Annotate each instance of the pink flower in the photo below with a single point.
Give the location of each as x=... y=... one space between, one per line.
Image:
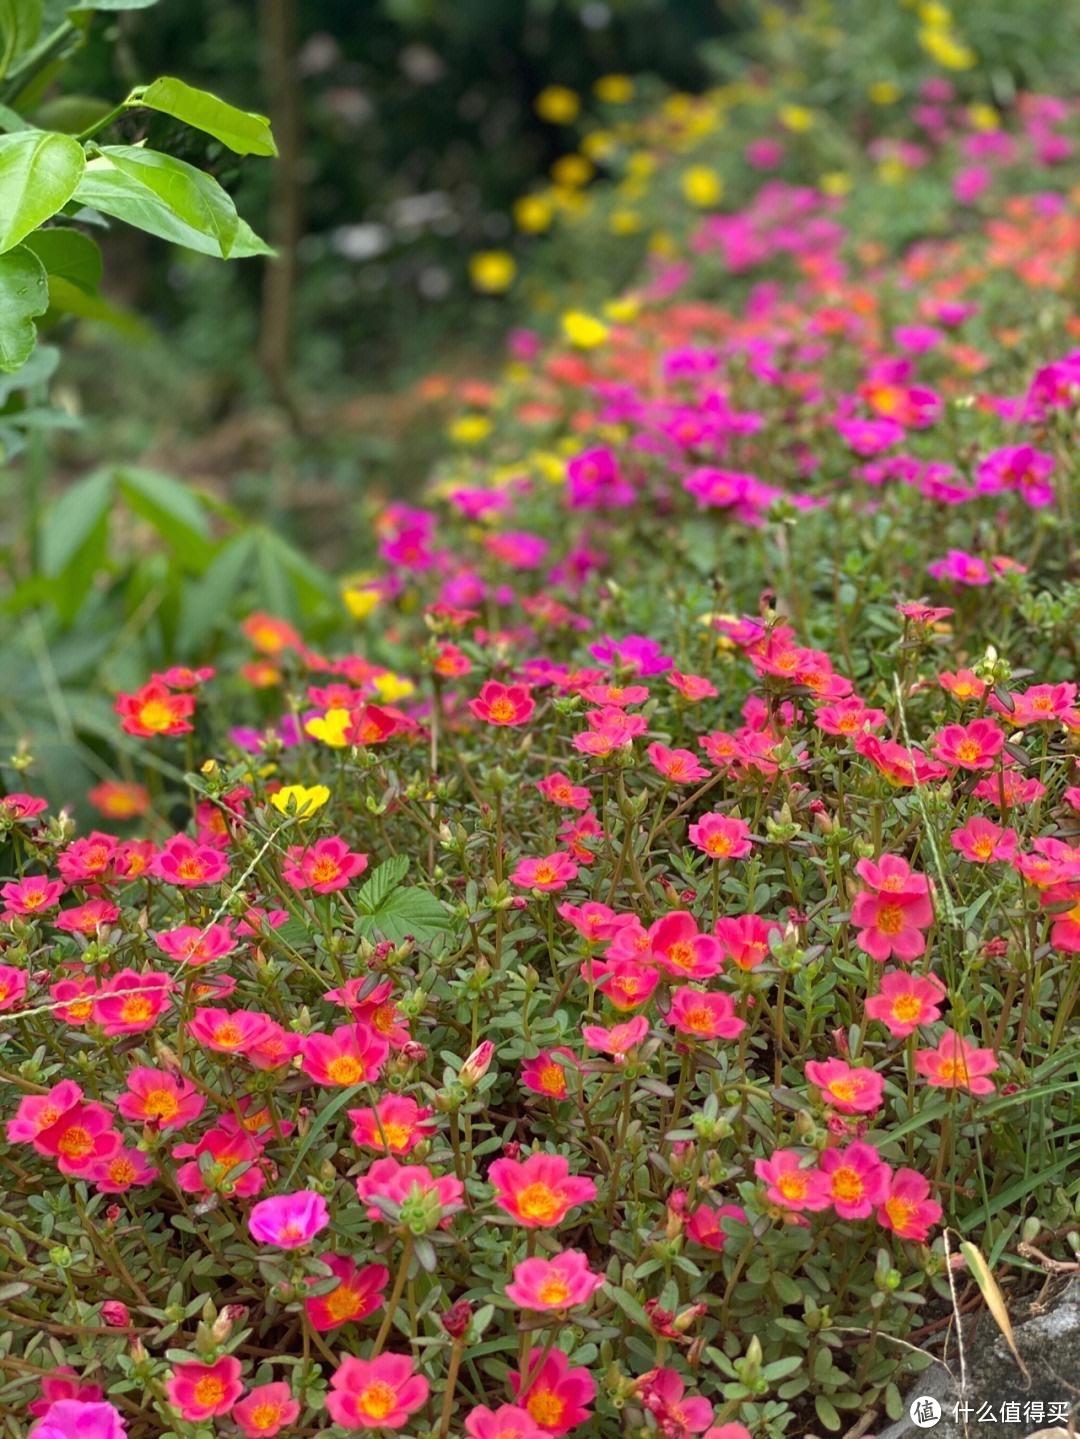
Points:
x=289 y=1221
x=359 y=1292
x=678 y=766
x=907 y=1208
x=721 y=837
x=120 y=1171
x=265 y=1410
x=550 y=872
x=499 y=704
x=236 y=1031
x=323 y=867
x=539 y=1191
x=159 y=1098
x=693 y=688
x=87 y=918
x=704 y=1016
x=856 y=1179
x=980 y=841
x=38 y=1112
x=555 y=1395
x=389 y=1183
x=905 y=1001
x=507 y=1422
x=892 y=915
x=395 y=1125
x=377 y=1393
x=848 y=716
x=234 y=1166
x=680 y=949
x=846 y=1088
x=790 y=1184
x=956 y=1064
x=624 y=982
x=79 y=1419
x=352 y=1054
x=34 y=894
x=564 y=1282
x=187 y=864
x=704 y=1223
x=663 y=1394
x=80 y=1137
x=561 y=791
x=201 y=1391
x=63 y=1383
x=620 y=1039
x=192 y=945
x=546 y=1074
x=973 y=746
x=131 y=1002
x=744 y=939
x=12 y=986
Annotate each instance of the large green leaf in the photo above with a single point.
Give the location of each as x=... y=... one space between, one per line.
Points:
x=74 y=518
x=404 y=914
x=38 y=370
x=20 y=25
x=194 y=198
x=241 y=130
x=39 y=171
x=206 y=604
x=114 y=192
x=173 y=510
x=66 y=298
x=70 y=254
x=24 y=294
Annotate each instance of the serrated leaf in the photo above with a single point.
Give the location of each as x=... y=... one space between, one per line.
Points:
x=384 y=878
x=24 y=294
x=404 y=914
x=39 y=173
x=243 y=131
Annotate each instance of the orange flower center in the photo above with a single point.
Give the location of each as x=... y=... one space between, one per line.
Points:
x=900 y=1211
x=718 y=845
x=264 y=1416
x=377 y=1400
x=847 y=1186
x=343 y=1303
x=345 y=1069
x=890 y=918
x=844 y=1089
x=539 y=1201
x=209 y=1391
x=546 y=1407
x=160 y=1104
x=325 y=869
x=681 y=954
x=792 y=1185
x=968 y=750
x=155 y=715
x=397 y=1135
x=502 y=709
x=552 y=1080
x=135 y=1009
x=553 y=1291
x=544 y=873
x=76 y=1142
x=122 y=1171
x=906 y=1007
x=228 y=1035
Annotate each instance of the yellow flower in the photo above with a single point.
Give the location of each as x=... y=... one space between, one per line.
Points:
x=836 y=182
x=585 y=332
x=944 y=47
x=391 y=687
x=624 y=221
x=598 y=144
x=330 y=727
x=661 y=243
x=470 y=429
x=558 y=104
x=641 y=164
x=360 y=596
x=796 y=117
x=937 y=16
x=551 y=467
x=299 y=800
x=492 y=271
x=702 y=186
x=573 y=171
x=892 y=172
x=614 y=89
x=884 y=92
x=532 y=213
x=984 y=117
x=622 y=312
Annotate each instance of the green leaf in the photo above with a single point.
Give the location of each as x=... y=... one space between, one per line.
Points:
x=68 y=299
x=196 y=199
x=72 y=519
x=379 y=884
x=407 y=913
x=38 y=370
x=826 y=1412
x=114 y=4
x=24 y=293
x=20 y=25
x=206 y=602
x=319 y=1123
x=242 y=131
x=173 y=510
x=630 y=1307
x=113 y=191
x=39 y=171
x=70 y=255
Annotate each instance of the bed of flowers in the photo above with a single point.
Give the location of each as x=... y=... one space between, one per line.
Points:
x=628 y=983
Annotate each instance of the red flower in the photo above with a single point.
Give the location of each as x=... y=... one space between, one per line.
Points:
x=500 y=704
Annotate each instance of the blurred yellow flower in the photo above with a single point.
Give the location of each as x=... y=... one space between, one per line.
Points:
x=584 y=332
x=558 y=104
x=299 y=800
x=836 y=182
x=892 y=172
x=598 y=144
x=947 y=49
x=390 y=687
x=360 y=596
x=935 y=15
x=572 y=171
x=641 y=164
x=614 y=89
x=330 y=728
x=702 y=186
x=984 y=117
x=796 y=117
x=884 y=92
x=624 y=222
x=492 y=271
x=661 y=243
x=470 y=429
x=533 y=213
x=622 y=311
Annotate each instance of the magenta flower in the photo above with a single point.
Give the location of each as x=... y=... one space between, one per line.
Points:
x=289 y=1221
x=565 y=1282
